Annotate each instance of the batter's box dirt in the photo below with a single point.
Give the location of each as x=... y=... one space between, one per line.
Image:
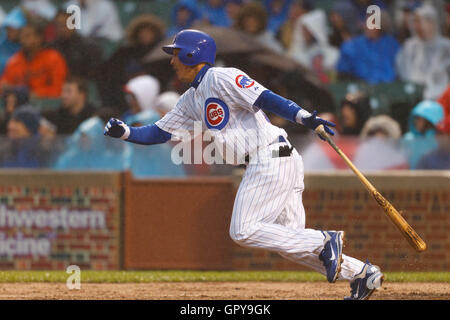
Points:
x=220 y=290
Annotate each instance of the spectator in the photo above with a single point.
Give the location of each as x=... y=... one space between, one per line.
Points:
x=319 y=156
x=444 y=100
x=381 y=126
x=99 y=19
x=23 y=123
x=82 y=54
x=447 y=21
x=166 y=101
x=278 y=11
x=425 y=57
x=421 y=137
x=232 y=8
x=13 y=98
x=155 y=161
x=296 y=10
x=343 y=18
x=252 y=20
x=404 y=19
x=438 y=159
x=330 y=116
x=214 y=13
x=74 y=109
x=2 y=15
x=355 y=111
x=362 y=5
x=141 y=94
x=142 y=35
x=41 y=8
x=310 y=45
x=10 y=36
x=184 y=14
x=24 y=148
x=159 y=167
x=42 y=70
x=379 y=148
x=370 y=57
x=441 y=6
x=87 y=149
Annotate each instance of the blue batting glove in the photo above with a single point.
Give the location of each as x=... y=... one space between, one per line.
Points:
x=117 y=129
x=313 y=121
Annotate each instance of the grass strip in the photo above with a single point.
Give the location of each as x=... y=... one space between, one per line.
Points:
x=201 y=276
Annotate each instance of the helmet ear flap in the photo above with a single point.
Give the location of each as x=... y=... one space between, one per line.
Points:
x=187 y=57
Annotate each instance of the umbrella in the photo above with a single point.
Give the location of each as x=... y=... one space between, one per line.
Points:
x=228 y=41
x=237 y=49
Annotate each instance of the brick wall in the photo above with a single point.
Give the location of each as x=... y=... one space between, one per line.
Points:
x=340 y=202
x=52 y=220
x=177 y=223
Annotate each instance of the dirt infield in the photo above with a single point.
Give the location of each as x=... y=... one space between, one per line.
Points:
x=220 y=290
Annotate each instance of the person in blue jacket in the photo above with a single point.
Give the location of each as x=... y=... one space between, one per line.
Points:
x=369 y=57
x=438 y=159
x=215 y=13
x=278 y=11
x=184 y=14
x=9 y=35
x=362 y=5
x=421 y=137
x=24 y=148
x=88 y=150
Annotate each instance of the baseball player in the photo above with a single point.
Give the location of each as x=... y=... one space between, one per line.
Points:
x=268 y=212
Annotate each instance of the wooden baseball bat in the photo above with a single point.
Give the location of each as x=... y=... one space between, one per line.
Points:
x=408 y=232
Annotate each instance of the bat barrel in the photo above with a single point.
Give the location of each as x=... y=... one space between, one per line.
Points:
x=408 y=232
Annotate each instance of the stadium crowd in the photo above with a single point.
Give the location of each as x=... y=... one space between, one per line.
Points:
x=59 y=85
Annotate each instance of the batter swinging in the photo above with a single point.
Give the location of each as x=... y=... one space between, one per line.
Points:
x=268 y=211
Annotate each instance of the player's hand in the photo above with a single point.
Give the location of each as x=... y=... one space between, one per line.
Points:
x=313 y=121
x=117 y=129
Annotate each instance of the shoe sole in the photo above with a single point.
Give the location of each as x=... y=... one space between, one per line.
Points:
x=340 y=260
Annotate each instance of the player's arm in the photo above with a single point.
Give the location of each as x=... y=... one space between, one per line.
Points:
x=147 y=135
x=289 y=110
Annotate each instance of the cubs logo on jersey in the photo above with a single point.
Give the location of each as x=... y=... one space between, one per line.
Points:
x=244 y=82
x=216 y=113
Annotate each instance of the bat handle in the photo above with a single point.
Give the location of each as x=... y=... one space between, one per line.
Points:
x=321 y=131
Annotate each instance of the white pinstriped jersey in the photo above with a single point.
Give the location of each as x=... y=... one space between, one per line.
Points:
x=223 y=104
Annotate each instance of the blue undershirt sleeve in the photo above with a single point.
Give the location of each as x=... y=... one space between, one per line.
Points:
x=269 y=101
x=150 y=134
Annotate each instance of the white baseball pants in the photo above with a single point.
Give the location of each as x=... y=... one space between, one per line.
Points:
x=268 y=212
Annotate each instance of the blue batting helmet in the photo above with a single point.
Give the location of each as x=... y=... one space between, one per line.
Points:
x=195 y=47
